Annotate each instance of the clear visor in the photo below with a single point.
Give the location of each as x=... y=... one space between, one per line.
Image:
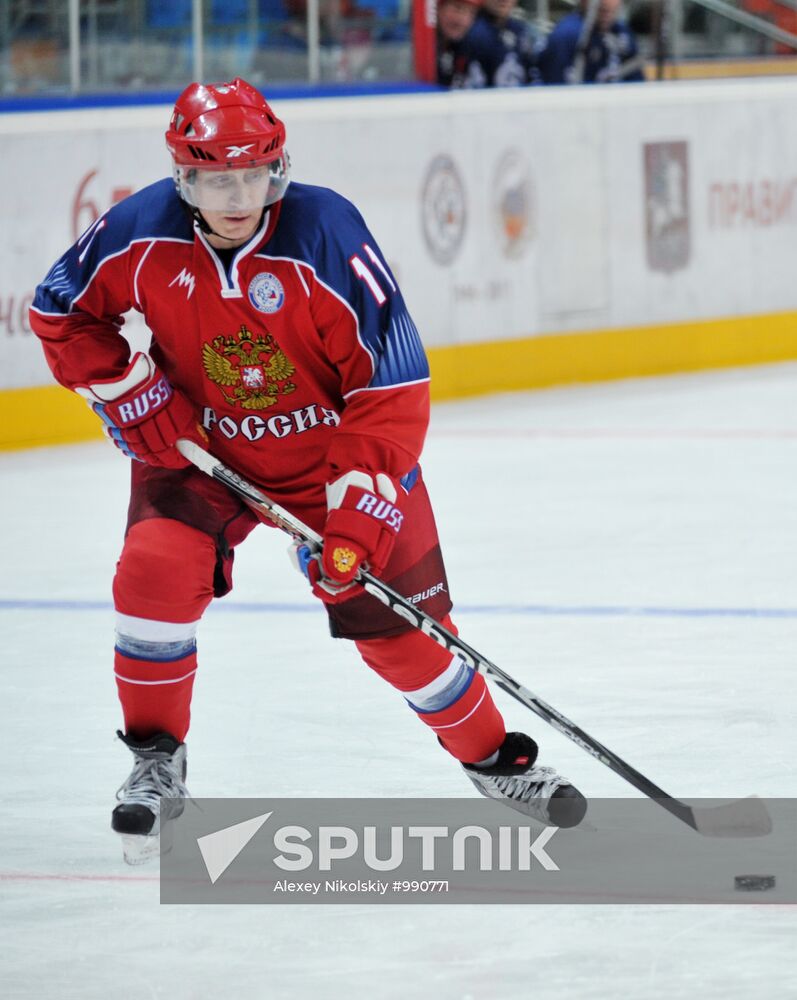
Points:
x=233 y=189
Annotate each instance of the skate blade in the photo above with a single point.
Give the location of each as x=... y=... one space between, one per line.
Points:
x=139 y=849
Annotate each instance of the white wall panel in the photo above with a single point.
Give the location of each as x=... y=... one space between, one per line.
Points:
x=504 y=215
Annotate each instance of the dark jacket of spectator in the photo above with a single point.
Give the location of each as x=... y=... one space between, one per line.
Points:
x=609 y=55
x=455 y=66
x=503 y=48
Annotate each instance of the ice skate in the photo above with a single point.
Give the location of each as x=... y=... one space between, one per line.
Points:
x=141 y=818
x=518 y=782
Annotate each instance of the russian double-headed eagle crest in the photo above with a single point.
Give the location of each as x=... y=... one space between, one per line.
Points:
x=251 y=370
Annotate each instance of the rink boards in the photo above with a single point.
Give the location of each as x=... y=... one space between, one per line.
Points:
x=539 y=236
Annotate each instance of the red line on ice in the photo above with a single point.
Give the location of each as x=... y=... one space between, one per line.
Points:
x=55 y=877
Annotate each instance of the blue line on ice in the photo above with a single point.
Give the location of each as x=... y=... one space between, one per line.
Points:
x=541 y=610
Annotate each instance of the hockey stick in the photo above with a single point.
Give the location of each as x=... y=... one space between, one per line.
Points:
x=623 y=70
x=743 y=818
x=579 y=64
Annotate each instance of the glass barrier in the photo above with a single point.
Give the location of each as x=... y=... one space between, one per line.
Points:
x=715 y=29
x=74 y=47
x=34 y=47
x=120 y=45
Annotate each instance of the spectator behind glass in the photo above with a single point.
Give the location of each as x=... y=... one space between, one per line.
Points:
x=503 y=49
x=454 y=20
x=341 y=22
x=592 y=45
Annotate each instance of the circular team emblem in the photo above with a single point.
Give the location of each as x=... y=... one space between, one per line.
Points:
x=443 y=213
x=266 y=292
x=514 y=203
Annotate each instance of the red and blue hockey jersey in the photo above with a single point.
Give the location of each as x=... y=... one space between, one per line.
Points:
x=299 y=352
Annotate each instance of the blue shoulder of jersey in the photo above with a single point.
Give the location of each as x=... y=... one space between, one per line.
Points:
x=482 y=38
x=568 y=29
x=623 y=30
x=560 y=49
x=155 y=212
x=322 y=229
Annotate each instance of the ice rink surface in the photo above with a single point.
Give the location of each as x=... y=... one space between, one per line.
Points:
x=625 y=550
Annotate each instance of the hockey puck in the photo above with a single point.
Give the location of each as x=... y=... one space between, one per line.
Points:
x=754 y=883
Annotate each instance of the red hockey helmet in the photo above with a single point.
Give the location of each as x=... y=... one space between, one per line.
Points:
x=224 y=127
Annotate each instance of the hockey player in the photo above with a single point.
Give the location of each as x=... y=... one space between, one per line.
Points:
x=504 y=48
x=456 y=68
x=592 y=45
x=281 y=342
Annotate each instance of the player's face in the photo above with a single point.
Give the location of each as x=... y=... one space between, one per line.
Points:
x=455 y=19
x=235 y=227
x=607 y=13
x=231 y=202
x=231 y=192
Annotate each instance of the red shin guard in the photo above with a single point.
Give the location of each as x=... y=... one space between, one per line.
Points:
x=471 y=728
x=155 y=697
x=165 y=574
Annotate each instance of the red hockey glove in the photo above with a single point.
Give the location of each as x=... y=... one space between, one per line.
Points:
x=308 y=563
x=144 y=415
x=360 y=530
x=361 y=526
